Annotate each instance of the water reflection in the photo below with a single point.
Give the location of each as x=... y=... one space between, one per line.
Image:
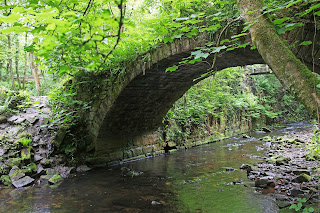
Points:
x=193 y=180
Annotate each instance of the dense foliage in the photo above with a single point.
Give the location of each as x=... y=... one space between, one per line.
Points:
x=227 y=97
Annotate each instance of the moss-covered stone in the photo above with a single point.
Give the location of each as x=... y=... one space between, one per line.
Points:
x=245 y=136
x=24 y=141
x=5 y=179
x=32 y=167
x=55 y=179
x=25 y=135
x=302 y=178
x=14 y=162
x=26 y=153
x=267 y=138
x=16 y=173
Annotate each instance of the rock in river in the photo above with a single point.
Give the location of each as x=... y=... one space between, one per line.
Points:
x=25 y=181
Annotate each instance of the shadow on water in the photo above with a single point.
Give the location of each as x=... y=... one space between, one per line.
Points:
x=193 y=180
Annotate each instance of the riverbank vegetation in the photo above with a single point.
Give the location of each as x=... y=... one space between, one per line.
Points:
x=234 y=95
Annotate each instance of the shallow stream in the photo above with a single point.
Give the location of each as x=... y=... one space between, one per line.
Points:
x=192 y=180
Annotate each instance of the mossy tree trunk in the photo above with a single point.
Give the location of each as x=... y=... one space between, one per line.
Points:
x=292 y=73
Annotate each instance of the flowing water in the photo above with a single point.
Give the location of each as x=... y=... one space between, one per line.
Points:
x=193 y=180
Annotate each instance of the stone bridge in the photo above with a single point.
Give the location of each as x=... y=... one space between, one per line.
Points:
x=135 y=104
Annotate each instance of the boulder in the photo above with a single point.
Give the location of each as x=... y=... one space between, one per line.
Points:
x=245 y=136
x=3 y=119
x=302 y=178
x=16 y=174
x=25 y=181
x=83 y=168
x=37 y=157
x=55 y=179
x=2 y=151
x=295 y=192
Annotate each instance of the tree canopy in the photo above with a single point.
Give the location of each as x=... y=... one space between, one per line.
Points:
x=83 y=36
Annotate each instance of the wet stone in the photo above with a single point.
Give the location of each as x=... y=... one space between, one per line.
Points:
x=32 y=119
x=3 y=119
x=301 y=171
x=296 y=192
x=12 y=119
x=302 y=178
x=2 y=151
x=25 y=181
x=283 y=204
x=20 y=120
x=83 y=168
x=37 y=158
x=16 y=173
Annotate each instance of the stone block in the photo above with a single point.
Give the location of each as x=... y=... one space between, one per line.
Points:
x=137 y=151
x=147 y=149
x=127 y=154
x=116 y=156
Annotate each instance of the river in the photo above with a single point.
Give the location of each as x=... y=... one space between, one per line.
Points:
x=192 y=180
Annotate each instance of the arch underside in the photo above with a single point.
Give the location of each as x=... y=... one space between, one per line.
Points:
x=143 y=103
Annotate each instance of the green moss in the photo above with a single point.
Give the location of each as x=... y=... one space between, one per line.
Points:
x=5 y=179
x=267 y=138
x=14 y=162
x=26 y=153
x=306 y=177
x=32 y=167
x=55 y=179
x=24 y=141
x=25 y=135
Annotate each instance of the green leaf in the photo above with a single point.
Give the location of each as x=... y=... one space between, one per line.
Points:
x=218 y=49
x=213 y=27
x=318 y=86
x=293 y=206
x=293 y=3
x=239 y=35
x=299 y=205
x=195 y=60
x=311 y=209
x=51 y=27
x=199 y=54
x=171 y=69
x=224 y=41
x=253 y=47
x=280 y=21
x=168 y=39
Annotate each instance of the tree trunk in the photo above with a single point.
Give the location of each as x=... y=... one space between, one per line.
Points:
x=25 y=62
x=8 y=71
x=17 y=61
x=1 y=71
x=291 y=72
x=34 y=70
x=10 y=62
